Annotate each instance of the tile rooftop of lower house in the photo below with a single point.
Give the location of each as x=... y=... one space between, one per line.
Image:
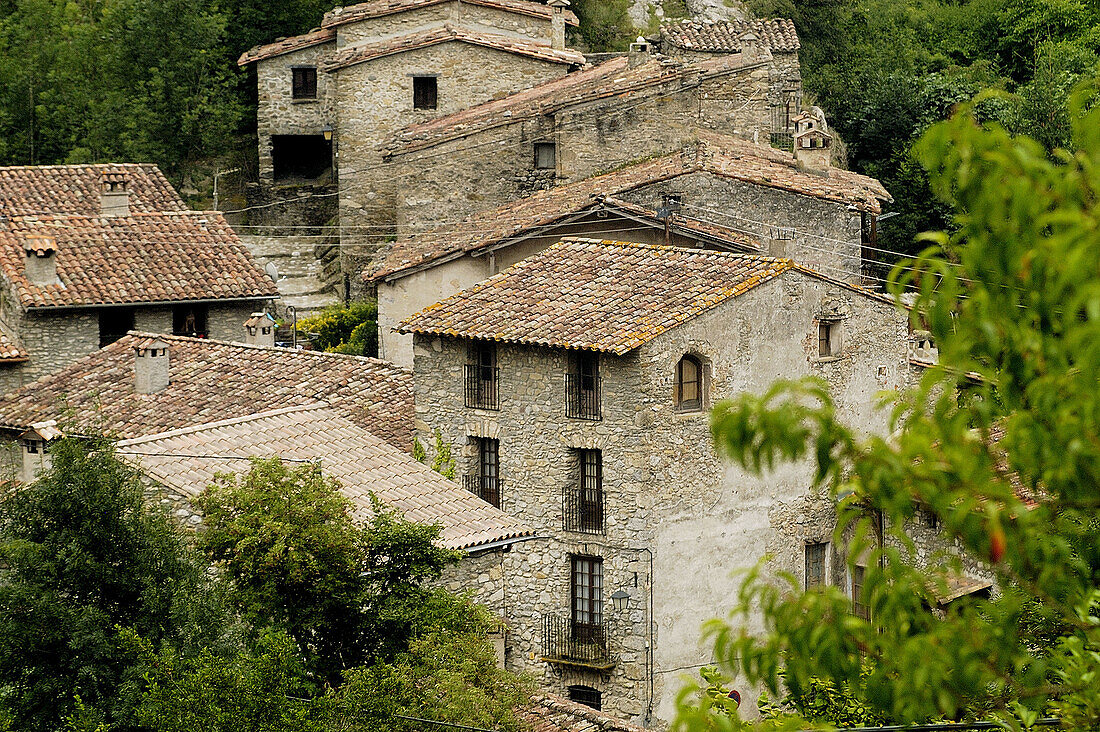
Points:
x=376 y=8
x=553 y=714
x=42 y=190
x=211 y=381
x=598 y=295
x=10 y=350
x=717 y=154
x=363 y=464
x=144 y=257
x=315 y=37
x=362 y=52
x=724 y=36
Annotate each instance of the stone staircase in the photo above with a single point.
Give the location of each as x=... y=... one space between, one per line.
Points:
x=303 y=281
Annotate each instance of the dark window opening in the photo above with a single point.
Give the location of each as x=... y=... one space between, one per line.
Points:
x=582 y=386
x=113 y=324
x=303 y=82
x=546 y=156
x=584 y=500
x=828 y=341
x=860 y=608
x=689 y=385
x=585 y=695
x=300 y=156
x=425 y=92
x=587 y=598
x=189 y=320
x=815 y=565
x=485 y=483
x=482 y=376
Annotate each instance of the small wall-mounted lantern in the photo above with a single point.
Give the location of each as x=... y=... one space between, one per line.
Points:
x=327 y=132
x=619 y=599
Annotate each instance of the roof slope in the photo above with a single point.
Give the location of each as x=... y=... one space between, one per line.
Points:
x=611 y=78
x=362 y=52
x=211 y=381
x=599 y=295
x=315 y=37
x=554 y=714
x=720 y=155
x=144 y=257
x=377 y=8
x=361 y=462
x=37 y=190
x=723 y=36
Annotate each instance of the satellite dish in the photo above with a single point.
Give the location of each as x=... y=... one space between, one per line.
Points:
x=272 y=271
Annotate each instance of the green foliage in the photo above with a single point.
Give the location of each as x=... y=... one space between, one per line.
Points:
x=1012 y=298
x=350 y=329
x=443 y=462
x=346 y=594
x=84 y=563
x=604 y=25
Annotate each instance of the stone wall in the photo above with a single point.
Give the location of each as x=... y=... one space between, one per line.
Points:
x=665 y=491
x=55 y=340
x=225 y=322
x=451 y=180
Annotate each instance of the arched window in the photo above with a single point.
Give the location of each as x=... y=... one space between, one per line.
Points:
x=689 y=385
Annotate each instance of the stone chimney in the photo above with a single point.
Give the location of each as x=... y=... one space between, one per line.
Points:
x=41 y=259
x=34 y=444
x=813 y=150
x=259 y=330
x=150 y=366
x=640 y=52
x=114 y=197
x=557 y=23
x=751 y=50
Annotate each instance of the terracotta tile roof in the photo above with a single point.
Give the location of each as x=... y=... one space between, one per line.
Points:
x=723 y=36
x=211 y=381
x=954 y=586
x=361 y=462
x=376 y=8
x=315 y=37
x=145 y=257
x=554 y=714
x=10 y=349
x=608 y=79
x=544 y=208
x=599 y=295
x=444 y=34
x=36 y=190
x=716 y=154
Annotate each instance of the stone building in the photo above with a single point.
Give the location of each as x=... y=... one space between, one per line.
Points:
x=716 y=193
x=594 y=120
x=336 y=93
x=88 y=252
x=576 y=385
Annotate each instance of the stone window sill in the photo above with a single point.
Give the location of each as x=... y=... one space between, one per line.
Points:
x=694 y=414
x=828 y=359
x=314 y=100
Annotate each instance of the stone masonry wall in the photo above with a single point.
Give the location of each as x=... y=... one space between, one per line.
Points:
x=55 y=340
x=225 y=322
x=665 y=490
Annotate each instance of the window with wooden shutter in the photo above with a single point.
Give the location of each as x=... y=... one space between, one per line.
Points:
x=303 y=82
x=815 y=565
x=425 y=92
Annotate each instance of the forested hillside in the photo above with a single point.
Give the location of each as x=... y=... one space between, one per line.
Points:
x=95 y=80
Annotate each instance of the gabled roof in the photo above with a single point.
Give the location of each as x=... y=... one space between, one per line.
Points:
x=377 y=8
x=597 y=295
x=554 y=714
x=362 y=463
x=724 y=36
x=210 y=381
x=611 y=78
x=42 y=190
x=141 y=258
x=362 y=52
x=315 y=37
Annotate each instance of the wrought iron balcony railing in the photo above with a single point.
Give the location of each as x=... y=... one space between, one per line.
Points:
x=582 y=397
x=582 y=509
x=481 y=387
x=569 y=642
x=484 y=487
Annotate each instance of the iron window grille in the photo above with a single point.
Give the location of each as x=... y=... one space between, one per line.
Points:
x=815 y=565
x=582 y=504
x=482 y=377
x=586 y=695
x=582 y=388
x=564 y=640
x=485 y=484
x=303 y=82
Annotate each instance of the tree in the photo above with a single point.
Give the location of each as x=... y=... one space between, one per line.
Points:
x=346 y=594
x=85 y=562
x=1010 y=414
x=350 y=329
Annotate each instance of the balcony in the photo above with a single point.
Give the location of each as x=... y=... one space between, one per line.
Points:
x=484 y=487
x=582 y=397
x=481 y=387
x=576 y=644
x=582 y=509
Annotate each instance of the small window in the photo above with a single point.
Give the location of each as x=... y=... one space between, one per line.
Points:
x=113 y=324
x=585 y=695
x=32 y=447
x=425 y=92
x=546 y=156
x=485 y=483
x=828 y=338
x=482 y=376
x=689 y=385
x=583 y=504
x=303 y=82
x=860 y=608
x=582 y=386
x=189 y=320
x=587 y=598
x=815 y=564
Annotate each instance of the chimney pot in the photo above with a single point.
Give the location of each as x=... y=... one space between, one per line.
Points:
x=557 y=23
x=35 y=447
x=150 y=366
x=41 y=260
x=114 y=195
x=639 y=52
x=259 y=330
